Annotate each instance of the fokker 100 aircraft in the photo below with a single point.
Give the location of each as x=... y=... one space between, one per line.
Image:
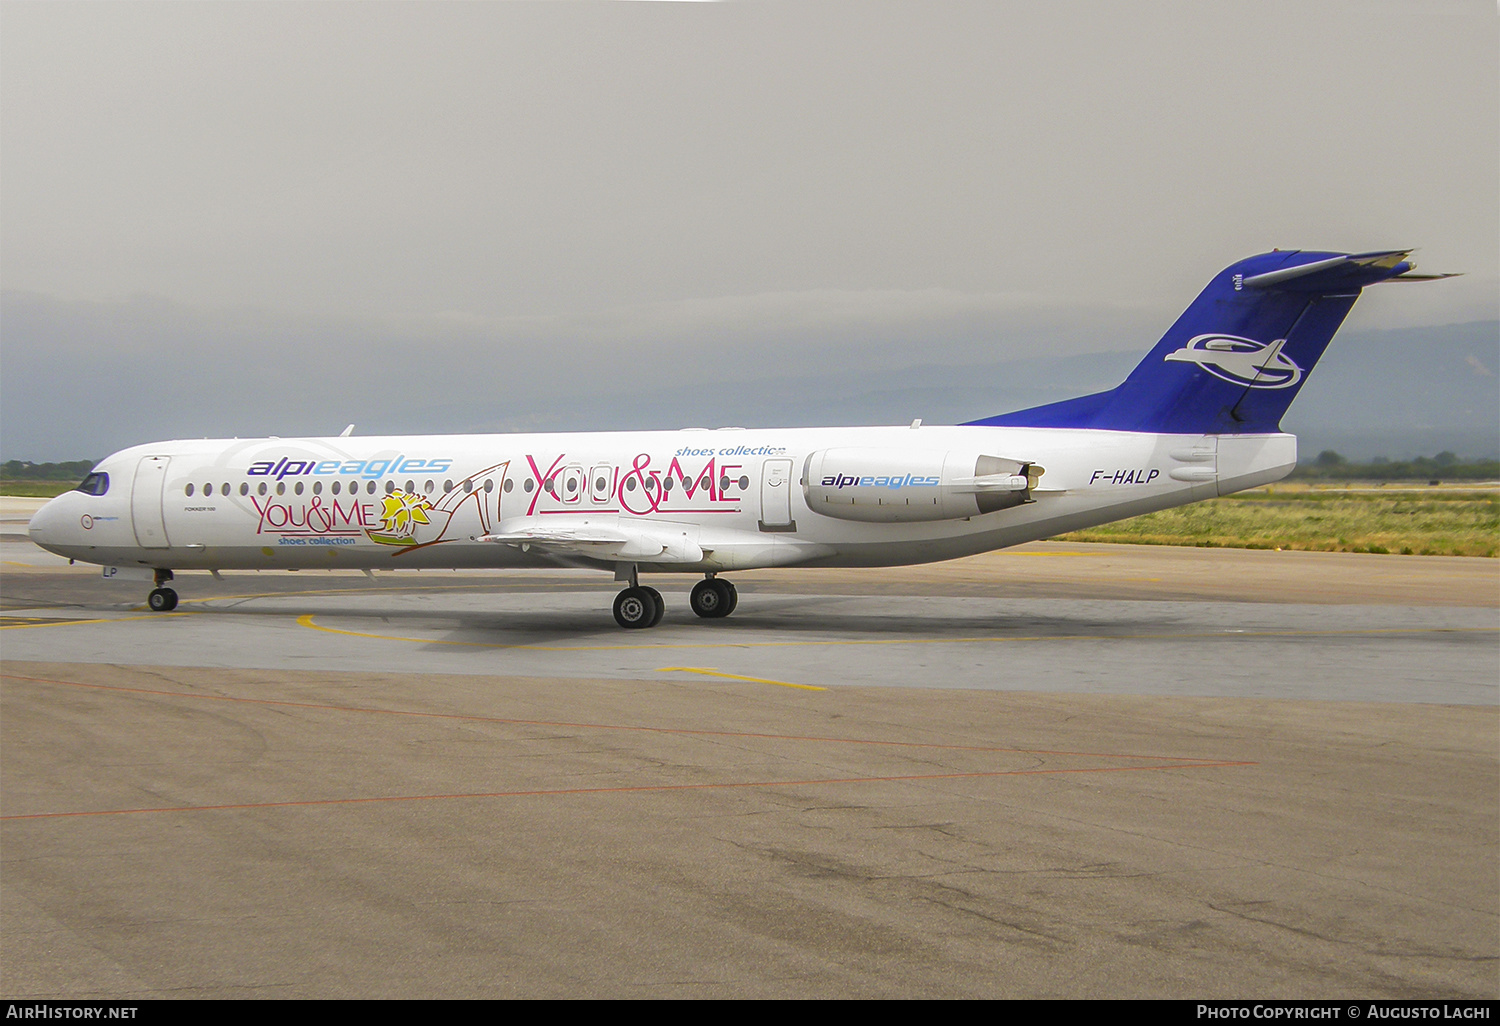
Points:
x=1198 y=417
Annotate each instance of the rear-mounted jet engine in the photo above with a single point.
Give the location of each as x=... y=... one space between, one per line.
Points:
x=882 y=486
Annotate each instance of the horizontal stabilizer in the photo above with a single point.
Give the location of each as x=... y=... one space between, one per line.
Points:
x=1345 y=271
x=1413 y=276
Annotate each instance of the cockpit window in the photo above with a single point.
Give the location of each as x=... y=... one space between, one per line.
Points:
x=94 y=484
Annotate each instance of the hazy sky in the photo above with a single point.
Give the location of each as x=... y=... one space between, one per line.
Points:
x=603 y=197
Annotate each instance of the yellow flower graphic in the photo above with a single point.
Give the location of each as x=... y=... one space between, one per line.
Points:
x=401 y=512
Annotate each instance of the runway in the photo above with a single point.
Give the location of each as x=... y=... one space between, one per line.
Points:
x=1053 y=771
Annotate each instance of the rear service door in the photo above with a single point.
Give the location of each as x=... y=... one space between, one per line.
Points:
x=145 y=502
x=776 y=496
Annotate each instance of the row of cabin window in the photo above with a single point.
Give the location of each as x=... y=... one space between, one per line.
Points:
x=336 y=487
x=429 y=487
x=668 y=483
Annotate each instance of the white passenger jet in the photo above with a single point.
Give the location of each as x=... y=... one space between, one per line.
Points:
x=1198 y=417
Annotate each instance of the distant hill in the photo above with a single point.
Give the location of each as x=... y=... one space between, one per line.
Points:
x=1398 y=394
x=1405 y=393
x=79 y=377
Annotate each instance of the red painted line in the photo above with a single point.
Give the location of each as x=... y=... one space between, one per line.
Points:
x=682 y=731
x=635 y=789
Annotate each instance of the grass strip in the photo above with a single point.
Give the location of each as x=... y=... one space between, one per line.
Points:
x=1418 y=521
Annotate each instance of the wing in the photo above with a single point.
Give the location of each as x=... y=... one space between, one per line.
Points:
x=600 y=538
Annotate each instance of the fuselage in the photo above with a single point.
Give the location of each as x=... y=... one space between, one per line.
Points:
x=1198 y=417
x=683 y=501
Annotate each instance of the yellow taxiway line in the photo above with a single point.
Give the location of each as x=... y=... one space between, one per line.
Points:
x=103 y=619
x=709 y=671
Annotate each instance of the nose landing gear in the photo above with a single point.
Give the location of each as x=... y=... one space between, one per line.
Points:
x=162 y=599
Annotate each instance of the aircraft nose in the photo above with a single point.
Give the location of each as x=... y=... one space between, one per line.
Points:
x=46 y=523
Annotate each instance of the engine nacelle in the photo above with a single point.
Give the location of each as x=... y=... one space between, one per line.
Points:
x=885 y=486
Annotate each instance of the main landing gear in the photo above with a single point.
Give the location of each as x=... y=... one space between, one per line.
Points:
x=162 y=599
x=713 y=598
x=638 y=606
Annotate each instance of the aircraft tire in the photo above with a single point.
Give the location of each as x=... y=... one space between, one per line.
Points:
x=656 y=599
x=162 y=600
x=634 y=608
x=705 y=599
x=713 y=598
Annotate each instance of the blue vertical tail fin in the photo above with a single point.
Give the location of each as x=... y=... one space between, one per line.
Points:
x=1237 y=357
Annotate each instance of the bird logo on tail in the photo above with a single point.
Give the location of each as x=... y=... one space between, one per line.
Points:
x=1242 y=361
